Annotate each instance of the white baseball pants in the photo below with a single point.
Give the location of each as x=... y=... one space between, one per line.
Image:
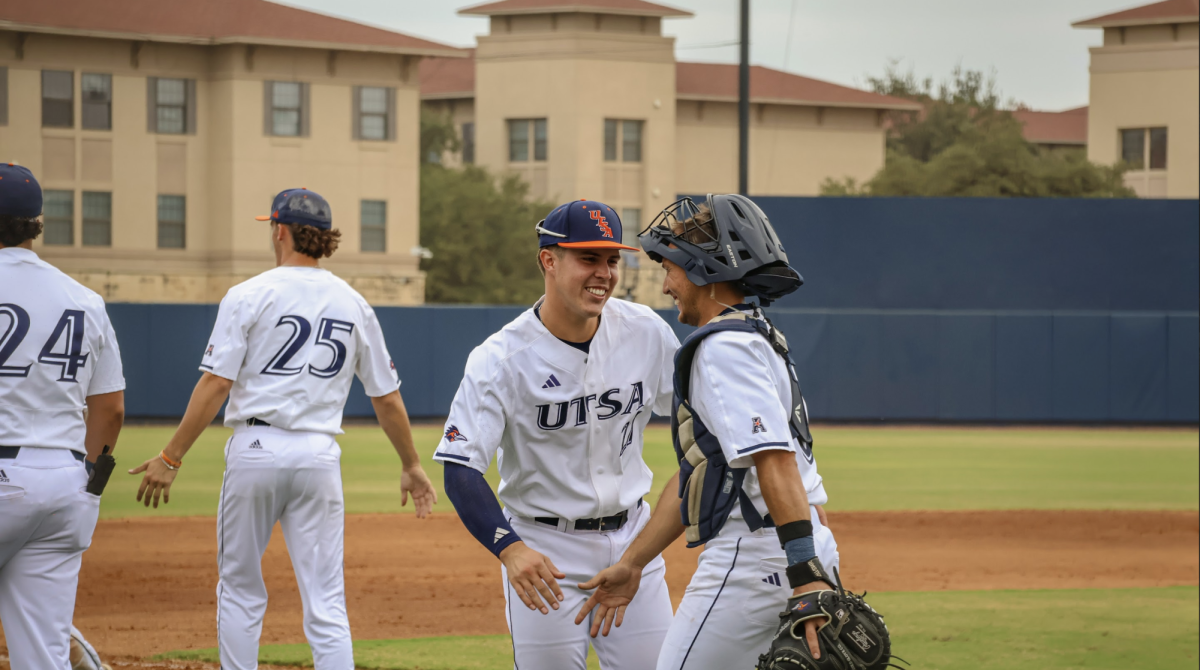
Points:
x=731 y=607
x=553 y=641
x=46 y=523
x=294 y=478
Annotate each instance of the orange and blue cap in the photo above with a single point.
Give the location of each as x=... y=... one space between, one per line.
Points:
x=20 y=193
x=302 y=207
x=583 y=224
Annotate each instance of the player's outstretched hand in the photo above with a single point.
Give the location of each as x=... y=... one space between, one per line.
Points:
x=414 y=481
x=531 y=574
x=156 y=482
x=615 y=587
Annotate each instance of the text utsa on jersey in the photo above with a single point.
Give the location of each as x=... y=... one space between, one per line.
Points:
x=608 y=405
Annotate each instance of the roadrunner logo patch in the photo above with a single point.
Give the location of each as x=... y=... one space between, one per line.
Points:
x=453 y=434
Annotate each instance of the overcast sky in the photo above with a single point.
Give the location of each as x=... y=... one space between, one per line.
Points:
x=1037 y=57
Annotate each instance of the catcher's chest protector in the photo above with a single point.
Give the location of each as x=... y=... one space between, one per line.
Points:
x=708 y=486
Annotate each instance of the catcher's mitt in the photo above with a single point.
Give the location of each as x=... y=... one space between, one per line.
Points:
x=853 y=637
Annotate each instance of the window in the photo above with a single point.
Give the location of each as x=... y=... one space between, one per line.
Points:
x=610 y=139
x=172 y=222
x=374 y=113
x=631 y=225
x=3 y=96
x=97 y=219
x=58 y=217
x=58 y=99
x=286 y=107
x=1158 y=148
x=1144 y=146
x=374 y=225
x=172 y=106
x=631 y=141
x=468 y=142
x=525 y=137
x=625 y=137
x=96 y=112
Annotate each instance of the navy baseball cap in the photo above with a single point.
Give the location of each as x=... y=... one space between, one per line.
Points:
x=20 y=193
x=583 y=224
x=300 y=206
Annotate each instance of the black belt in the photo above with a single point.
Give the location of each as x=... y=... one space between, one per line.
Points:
x=11 y=452
x=604 y=523
x=257 y=422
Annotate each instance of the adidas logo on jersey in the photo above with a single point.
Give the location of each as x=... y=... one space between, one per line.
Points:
x=3 y=476
x=256 y=445
x=551 y=383
x=500 y=533
x=773 y=579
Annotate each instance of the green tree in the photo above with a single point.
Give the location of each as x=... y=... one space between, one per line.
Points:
x=478 y=227
x=965 y=143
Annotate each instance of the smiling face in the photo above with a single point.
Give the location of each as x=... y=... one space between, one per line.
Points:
x=582 y=280
x=687 y=295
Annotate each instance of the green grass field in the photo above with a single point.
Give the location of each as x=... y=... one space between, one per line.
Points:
x=1149 y=629
x=864 y=469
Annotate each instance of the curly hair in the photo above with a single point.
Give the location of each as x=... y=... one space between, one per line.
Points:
x=15 y=230
x=314 y=242
x=698 y=229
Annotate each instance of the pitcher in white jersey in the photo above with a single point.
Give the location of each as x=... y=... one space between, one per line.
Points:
x=62 y=403
x=284 y=350
x=738 y=406
x=560 y=397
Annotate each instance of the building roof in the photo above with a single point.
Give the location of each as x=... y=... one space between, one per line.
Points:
x=446 y=78
x=1168 y=11
x=209 y=22
x=719 y=82
x=627 y=7
x=1065 y=127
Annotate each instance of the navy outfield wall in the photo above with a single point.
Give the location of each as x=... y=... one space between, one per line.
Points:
x=853 y=364
x=913 y=309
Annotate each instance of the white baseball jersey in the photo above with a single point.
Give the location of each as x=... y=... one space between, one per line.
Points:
x=57 y=347
x=567 y=426
x=739 y=389
x=291 y=339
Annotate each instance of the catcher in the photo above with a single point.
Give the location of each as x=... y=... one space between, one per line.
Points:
x=748 y=488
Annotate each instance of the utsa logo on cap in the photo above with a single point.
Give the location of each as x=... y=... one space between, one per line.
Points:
x=302 y=207
x=583 y=224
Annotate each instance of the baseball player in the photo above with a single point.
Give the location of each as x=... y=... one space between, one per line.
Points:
x=751 y=492
x=561 y=396
x=58 y=358
x=284 y=349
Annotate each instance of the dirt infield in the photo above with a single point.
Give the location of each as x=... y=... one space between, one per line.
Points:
x=148 y=585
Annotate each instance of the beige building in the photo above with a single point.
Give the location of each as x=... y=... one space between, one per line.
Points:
x=1144 y=105
x=160 y=128
x=586 y=99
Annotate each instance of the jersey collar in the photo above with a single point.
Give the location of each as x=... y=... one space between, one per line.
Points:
x=18 y=254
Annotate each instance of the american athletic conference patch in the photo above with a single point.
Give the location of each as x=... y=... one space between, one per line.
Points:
x=453 y=434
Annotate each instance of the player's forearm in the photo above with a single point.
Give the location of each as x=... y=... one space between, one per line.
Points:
x=393 y=418
x=105 y=416
x=782 y=486
x=206 y=401
x=664 y=526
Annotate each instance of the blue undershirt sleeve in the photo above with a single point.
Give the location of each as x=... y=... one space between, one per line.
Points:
x=478 y=508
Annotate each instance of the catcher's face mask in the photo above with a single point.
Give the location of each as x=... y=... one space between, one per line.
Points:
x=678 y=235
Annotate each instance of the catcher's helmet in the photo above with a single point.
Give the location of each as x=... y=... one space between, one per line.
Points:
x=744 y=249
